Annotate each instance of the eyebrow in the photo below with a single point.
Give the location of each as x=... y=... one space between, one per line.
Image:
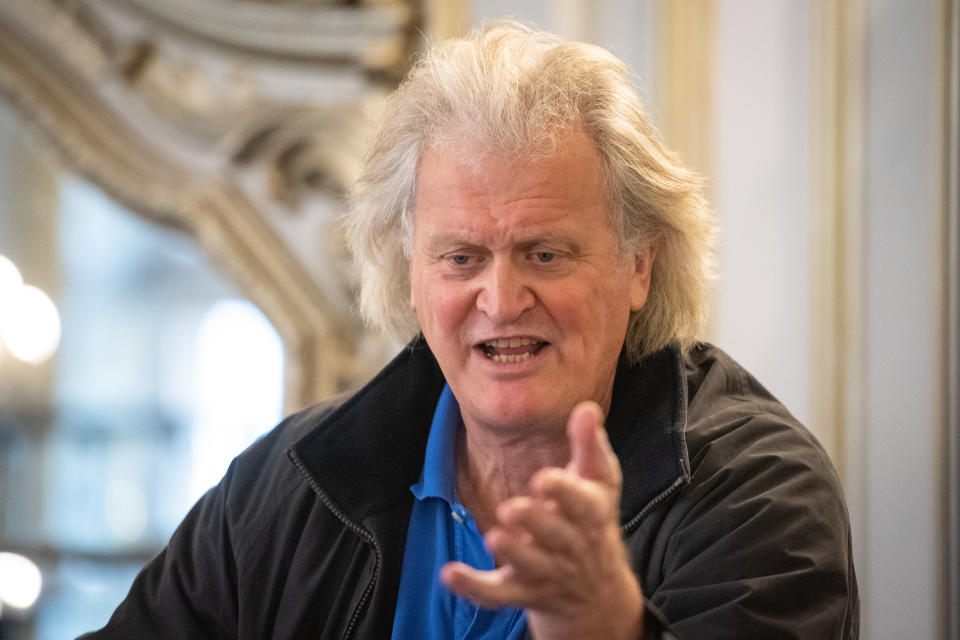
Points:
x=444 y=242
x=447 y=241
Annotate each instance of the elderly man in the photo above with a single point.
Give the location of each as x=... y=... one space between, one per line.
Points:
x=554 y=455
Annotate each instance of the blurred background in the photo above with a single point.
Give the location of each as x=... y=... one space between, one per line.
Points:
x=173 y=281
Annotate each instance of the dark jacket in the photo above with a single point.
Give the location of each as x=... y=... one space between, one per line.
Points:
x=731 y=511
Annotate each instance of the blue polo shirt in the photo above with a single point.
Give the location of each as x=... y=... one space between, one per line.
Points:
x=441 y=531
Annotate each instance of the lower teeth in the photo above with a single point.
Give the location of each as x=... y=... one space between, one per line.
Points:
x=509 y=358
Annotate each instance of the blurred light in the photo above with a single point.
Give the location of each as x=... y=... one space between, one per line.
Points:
x=31 y=326
x=125 y=510
x=239 y=386
x=20 y=580
x=10 y=284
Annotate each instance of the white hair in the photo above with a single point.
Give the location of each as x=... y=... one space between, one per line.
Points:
x=509 y=90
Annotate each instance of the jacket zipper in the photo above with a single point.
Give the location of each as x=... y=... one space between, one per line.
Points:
x=353 y=526
x=657 y=499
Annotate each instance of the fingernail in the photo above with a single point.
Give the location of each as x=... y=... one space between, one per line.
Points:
x=601 y=435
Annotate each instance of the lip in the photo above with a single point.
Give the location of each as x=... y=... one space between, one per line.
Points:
x=510 y=336
x=512 y=341
x=514 y=353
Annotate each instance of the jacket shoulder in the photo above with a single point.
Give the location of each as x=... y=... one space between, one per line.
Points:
x=727 y=406
x=262 y=480
x=739 y=435
x=762 y=520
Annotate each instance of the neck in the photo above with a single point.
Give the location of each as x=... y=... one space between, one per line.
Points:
x=491 y=468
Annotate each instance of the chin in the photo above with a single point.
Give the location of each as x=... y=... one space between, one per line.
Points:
x=512 y=415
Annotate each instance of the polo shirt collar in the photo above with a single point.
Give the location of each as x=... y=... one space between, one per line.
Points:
x=438 y=479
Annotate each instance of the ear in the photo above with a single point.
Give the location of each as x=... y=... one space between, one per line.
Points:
x=643 y=269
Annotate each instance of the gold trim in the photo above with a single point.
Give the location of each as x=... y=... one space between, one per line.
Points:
x=683 y=89
x=951 y=201
x=446 y=18
x=837 y=278
x=684 y=79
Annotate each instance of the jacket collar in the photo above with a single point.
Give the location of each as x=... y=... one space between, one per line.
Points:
x=365 y=455
x=648 y=414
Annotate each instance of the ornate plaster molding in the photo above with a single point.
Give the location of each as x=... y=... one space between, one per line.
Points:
x=204 y=117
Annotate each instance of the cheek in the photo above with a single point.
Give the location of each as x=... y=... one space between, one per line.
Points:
x=441 y=306
x=585 y=304
x=592 y=317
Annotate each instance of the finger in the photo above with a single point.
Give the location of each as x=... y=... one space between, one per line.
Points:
x=592 y=457
x=532 y=564
x=545 y=521
x=585 y=503
x=486 y=588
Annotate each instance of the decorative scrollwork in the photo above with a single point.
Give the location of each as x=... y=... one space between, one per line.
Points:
x=237 y=121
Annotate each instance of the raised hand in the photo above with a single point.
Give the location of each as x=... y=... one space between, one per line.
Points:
x=558 y=550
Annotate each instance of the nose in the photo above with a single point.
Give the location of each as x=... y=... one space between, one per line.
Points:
x=504 y=293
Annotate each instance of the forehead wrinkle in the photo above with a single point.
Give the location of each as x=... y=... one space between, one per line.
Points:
x=469 y=196
x=484 y=226
x=495 y=200
x=505 y=240
x=537 y=210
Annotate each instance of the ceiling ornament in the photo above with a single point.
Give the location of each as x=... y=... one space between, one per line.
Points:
x=240 y=122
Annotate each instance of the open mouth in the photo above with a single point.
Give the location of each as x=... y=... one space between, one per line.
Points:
x=516 y=349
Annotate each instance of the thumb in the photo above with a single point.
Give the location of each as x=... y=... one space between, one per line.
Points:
x=591 y=455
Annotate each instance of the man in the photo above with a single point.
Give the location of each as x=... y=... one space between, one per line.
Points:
x=557 y=456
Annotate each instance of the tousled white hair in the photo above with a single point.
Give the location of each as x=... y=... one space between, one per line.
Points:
x=512 y=91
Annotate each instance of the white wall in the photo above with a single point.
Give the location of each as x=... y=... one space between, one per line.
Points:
x=902 y=563
x=762 y=193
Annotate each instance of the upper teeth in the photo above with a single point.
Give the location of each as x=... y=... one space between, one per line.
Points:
x=503 y=343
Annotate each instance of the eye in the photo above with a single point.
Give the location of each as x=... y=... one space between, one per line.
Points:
x=544 y=256
x=459 y=259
